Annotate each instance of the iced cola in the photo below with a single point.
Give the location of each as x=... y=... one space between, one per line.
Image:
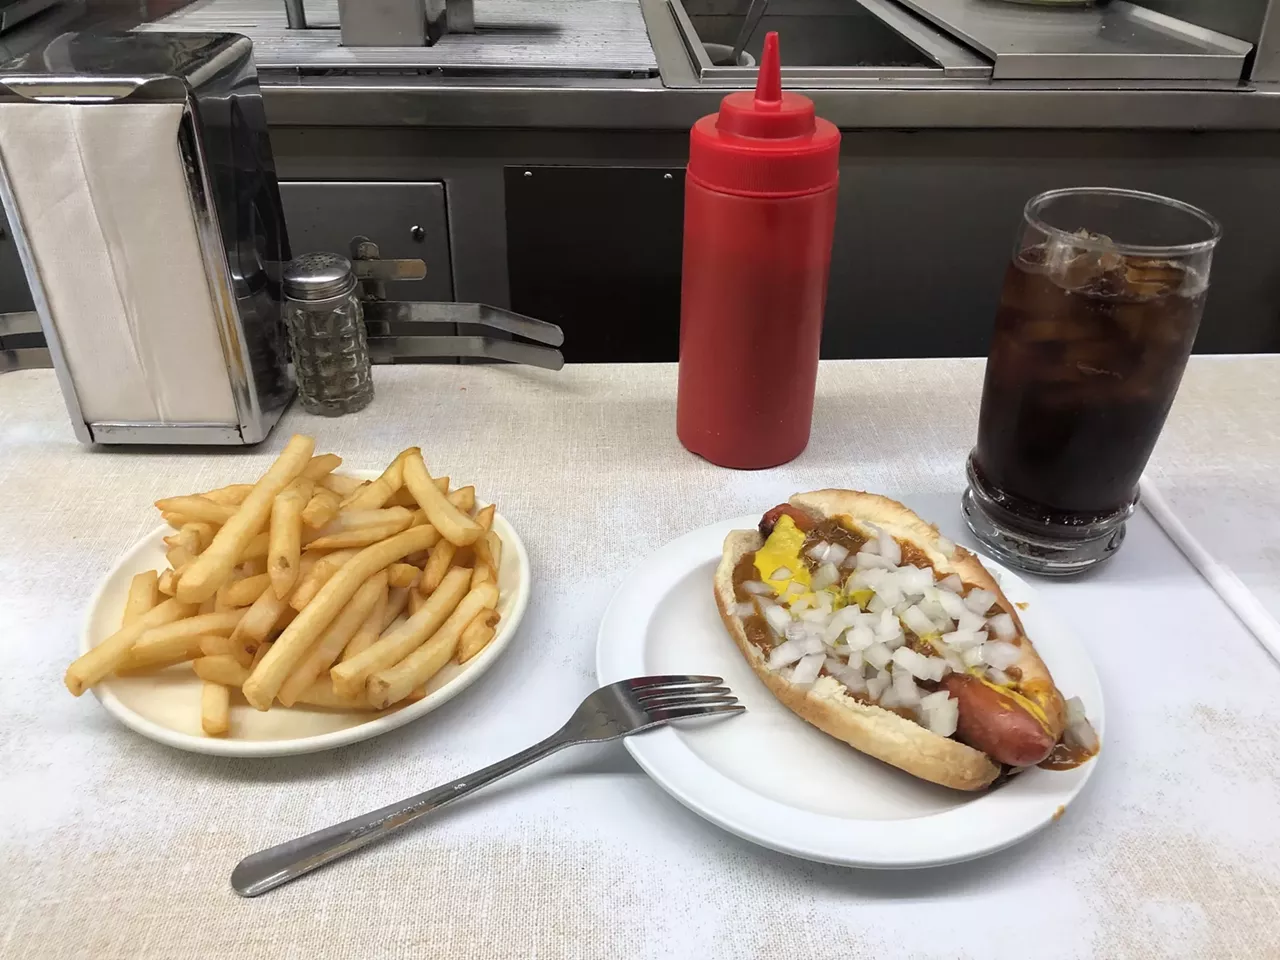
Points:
x=1091 y=339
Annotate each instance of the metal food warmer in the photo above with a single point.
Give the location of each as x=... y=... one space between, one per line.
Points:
x=531 y=152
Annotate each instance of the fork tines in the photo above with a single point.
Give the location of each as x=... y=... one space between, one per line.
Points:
x=676 y=697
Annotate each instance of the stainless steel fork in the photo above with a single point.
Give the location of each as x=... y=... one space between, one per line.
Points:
x=617 y=710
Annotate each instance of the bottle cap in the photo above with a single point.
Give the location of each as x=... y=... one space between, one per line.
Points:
x=765 y=143
x=318 y=276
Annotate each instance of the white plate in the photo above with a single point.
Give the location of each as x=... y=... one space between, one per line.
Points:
x=771 y=778
x=165 y=706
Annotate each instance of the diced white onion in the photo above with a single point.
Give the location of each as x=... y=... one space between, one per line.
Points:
x=971 y=621
x=937 y=668
x=889 y=592
x=814 y=616
x=889 y=698
x=825 y=602
x=796 y=589
x=914 y=580
x=871 y=546
x=963 y=639
x=785 y=654
x=878 y=655
x=951 y=603
x=826 y=575
x=952 y=583
x=807 y=669
x=908 y=660
x=1079 y=732
x=777 y=616
x=782 y=573
x=945 y=546
x=933 y=609
x=973 y=656
x=876 y=604
x=757 y=587
x=834 y=666
x=877 y=685
x=1001 y=655
x=840 y=621
x=979 y=600
x=860 y=638
x=999 y=677
x=747 y=609
x=944 y=718
x=801 y=604
x=954 y=660
x=837 y=554
x=933 y=700
x=889 y=548
x=895 y=641
x=1002 y=626
x=907 y=692
x=918 y=621
x=868 y=560
x=819 y=550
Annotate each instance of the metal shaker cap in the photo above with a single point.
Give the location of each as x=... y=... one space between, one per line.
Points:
x=318 y=276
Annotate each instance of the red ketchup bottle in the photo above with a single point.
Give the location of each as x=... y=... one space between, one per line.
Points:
x=759 y=212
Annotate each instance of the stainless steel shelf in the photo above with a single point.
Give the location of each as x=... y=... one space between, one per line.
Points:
x=1118 y=41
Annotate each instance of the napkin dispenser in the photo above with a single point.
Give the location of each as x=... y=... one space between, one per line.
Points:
x=140 y=185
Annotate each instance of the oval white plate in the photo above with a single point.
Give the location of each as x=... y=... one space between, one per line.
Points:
x=165 y=706
x=771 y=778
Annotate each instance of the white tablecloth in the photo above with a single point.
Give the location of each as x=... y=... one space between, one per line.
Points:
x=114 y=846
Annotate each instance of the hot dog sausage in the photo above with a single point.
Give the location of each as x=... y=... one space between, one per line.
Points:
x=803 y=521
x=996 y=724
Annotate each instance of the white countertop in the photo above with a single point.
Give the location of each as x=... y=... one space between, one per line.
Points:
x=114 y=846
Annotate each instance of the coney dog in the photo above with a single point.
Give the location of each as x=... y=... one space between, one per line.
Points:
x=868 y=624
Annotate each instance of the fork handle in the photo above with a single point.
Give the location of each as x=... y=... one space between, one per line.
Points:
x=275 y=866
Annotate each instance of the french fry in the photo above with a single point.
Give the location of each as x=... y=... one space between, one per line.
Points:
x=349 y=676
x=168 y=582
x=416 y=600
x=418 y=559
x=359 y=519
x=477 y=635
x=215 y=709
x=264 y=683
x=395 y=683
x=438 y=564
x=481 y=573
x=252 y=568
x=317 y=576
x=225 y=647
x=368 y=633
x=255 y=548
x=403 y=574
x=329 y=647
x=175 y=520
x=208 y=571
x=177 y=641
x=320 y=509
x=244 y=592
x=489 y=550
x=379 y=492
x=360 y=537
x=397 y=600
x=342 y=485
x=464 y=498
x=321 y=466
x=198 y=509
x=89 y=668
x=209 y=606
x=258 y=654
x=453 y=525
x=226 y=671
x=403 y=498
x=231 y=495
x=144 y=594
x=264 y=614
x=284 y=538
x=188 y=538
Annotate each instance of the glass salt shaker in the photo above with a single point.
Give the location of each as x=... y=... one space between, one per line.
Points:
x=326 y=329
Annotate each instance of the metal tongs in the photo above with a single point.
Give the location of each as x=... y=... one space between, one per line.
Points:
x=407 y=331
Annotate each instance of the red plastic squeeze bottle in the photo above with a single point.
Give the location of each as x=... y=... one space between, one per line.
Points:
x=759 y=212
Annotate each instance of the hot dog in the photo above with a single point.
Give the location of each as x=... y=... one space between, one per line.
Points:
x=868 y=624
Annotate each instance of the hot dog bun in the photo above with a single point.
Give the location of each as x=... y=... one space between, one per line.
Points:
x=871 y=729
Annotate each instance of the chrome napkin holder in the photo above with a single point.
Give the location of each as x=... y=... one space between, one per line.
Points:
x=396 y=328
x=231 y=182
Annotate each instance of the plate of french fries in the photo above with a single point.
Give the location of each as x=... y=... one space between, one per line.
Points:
x=308 y=609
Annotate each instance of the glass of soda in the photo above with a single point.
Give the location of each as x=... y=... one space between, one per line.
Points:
x=1099 y=310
